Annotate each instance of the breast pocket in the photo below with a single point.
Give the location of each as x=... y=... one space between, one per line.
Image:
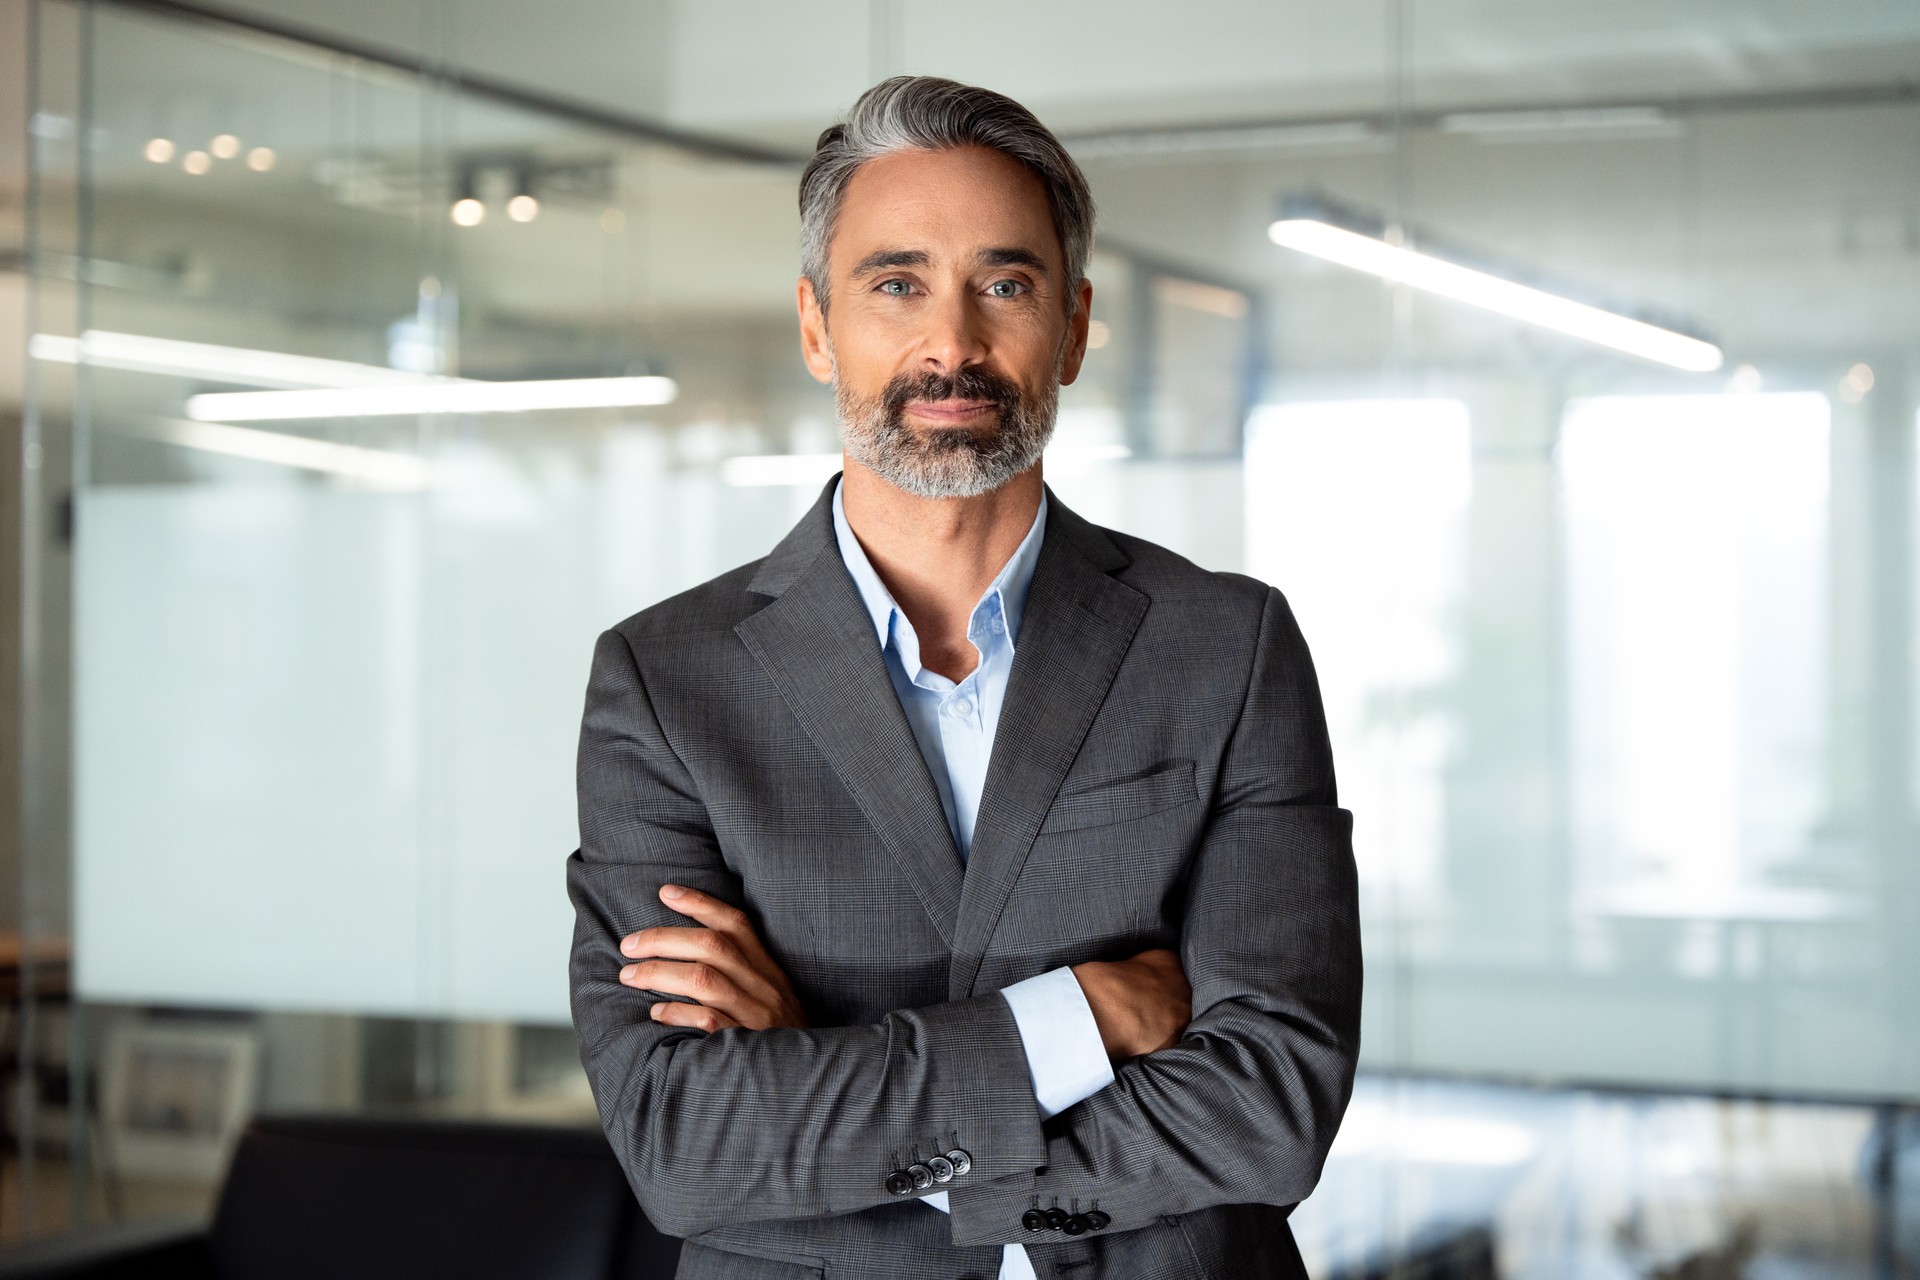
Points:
x=1109 y=801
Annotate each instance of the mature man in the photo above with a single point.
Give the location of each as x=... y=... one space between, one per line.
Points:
x=900 y=847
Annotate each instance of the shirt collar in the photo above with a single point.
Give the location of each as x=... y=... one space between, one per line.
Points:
x=1010 y=584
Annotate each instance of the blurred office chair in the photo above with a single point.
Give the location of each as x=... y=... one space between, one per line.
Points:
x=319 y=1198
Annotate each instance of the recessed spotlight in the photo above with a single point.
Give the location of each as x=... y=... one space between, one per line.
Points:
x=467 y=212
x=225 y=146
x=158 y=150
x=613 y=221
x=1857 y=382
x=1098 y=334
x=523 y=208
x=260 y=159
x=1745 y=380
x=196 y=162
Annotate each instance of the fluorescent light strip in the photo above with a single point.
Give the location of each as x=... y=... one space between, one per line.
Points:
x=378 y=467
x=441 y=397
x=141 y=354
x=1464 y=284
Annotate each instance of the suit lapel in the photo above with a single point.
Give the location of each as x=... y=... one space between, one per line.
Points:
x=1073 y=635
x=816 y=642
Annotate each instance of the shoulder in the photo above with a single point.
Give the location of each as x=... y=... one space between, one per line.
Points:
x=694 y=618
x=1182 y=592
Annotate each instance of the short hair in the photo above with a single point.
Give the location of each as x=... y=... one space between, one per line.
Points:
x=926 y=113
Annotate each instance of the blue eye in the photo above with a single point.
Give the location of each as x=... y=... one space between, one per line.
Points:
x=896 y=288
x=1005 y=288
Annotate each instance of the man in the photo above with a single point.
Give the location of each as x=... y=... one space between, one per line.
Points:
x=900 y=847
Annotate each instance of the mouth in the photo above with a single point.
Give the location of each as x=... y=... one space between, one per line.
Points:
x=950 y=413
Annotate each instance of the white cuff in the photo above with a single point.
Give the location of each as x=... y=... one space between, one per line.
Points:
x=1064 y=1054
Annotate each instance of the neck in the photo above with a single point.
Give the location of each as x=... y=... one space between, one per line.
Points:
x=938 y=556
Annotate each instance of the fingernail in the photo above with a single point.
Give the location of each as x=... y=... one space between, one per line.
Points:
x=672 y=891
x=626 y=974
x=626 y=946
x=654 y=1012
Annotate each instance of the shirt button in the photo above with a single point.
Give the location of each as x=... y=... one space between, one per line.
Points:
x=960 y=708
x=998 y=625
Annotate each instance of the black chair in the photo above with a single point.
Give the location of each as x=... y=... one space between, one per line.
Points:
x=321 y=1198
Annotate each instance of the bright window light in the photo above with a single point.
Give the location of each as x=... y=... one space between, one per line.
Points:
x=1696 y=552
x=1357 y=511
x=432 y=397
x=1494 y=293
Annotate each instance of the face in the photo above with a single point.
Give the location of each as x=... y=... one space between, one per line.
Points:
x=946 y=335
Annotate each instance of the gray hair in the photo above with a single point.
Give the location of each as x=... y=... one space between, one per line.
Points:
x=926 y=113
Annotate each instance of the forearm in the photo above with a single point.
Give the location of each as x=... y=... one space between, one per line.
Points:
x=742 y=1125
x=1183 y=1129
x=1244 y=1108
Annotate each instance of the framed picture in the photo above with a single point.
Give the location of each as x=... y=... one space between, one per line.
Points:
x=174 y=1097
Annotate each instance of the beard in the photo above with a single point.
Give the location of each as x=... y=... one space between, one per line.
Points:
x=947 y=462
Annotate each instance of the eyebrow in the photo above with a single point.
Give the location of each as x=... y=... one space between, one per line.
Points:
x=884 y=259
x=1013 y=257
x=887 y=259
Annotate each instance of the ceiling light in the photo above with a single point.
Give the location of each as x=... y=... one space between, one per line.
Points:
x=243 y=366
x=225 y=146
x=1495 y=293
x=158 y=150
x=613 y=221
x=196 y=162
x=260 y=159
x=523 y=208
x=380 y=468
x=1857 y=382
x=467 y=211
x=446 y=396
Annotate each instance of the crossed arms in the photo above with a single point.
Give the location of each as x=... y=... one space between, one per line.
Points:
x=727 y=1109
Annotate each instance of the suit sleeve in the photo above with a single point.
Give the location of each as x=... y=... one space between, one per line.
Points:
x=1244 y=1108
x=735 y=1126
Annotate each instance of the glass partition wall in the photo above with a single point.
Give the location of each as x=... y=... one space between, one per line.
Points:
x=1578 y=431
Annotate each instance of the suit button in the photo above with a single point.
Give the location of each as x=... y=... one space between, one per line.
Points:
x=1056 y=1218
x=899 y=1183
x=921 y=1175
x=1034 y=1220
x=1097 y=1221
x=1076 y=1225
x=960 y=1160
x=942 y=1168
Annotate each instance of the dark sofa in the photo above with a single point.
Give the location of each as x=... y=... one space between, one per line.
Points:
x=333 y=1198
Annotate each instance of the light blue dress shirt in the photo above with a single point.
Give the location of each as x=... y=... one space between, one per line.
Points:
x=954 y=726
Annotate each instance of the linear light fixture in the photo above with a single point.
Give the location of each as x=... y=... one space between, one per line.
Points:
x=1323 y=239
x=380 y=468
x=441 y=397
x=243 y=366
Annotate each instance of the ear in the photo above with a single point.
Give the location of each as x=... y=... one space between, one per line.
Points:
x=1077 y=335
x=815 y=350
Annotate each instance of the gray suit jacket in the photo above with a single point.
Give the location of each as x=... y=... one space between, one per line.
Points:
x=1160 y=778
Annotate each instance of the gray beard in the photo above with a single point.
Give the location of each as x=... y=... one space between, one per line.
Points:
x=952 y=462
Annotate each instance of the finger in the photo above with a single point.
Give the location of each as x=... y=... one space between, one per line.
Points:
x=674 y=1014
x=710 y=947
x=722 y=917
x=701 y=982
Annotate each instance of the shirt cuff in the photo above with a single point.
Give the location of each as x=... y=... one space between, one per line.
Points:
x=1065 y=1056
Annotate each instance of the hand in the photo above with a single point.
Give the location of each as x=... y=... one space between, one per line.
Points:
x=1140 y=1005
x=721 y=964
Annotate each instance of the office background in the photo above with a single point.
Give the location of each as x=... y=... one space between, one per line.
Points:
x=1618 y=647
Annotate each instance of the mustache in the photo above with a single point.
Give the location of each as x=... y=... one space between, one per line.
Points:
x=969 y=384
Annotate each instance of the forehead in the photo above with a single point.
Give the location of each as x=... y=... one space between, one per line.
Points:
x=947 y=203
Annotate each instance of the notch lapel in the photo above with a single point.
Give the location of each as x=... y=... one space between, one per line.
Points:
x=816 y=642
x=1077 y=626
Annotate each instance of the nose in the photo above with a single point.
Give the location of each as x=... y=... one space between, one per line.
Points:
x=955 y=337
